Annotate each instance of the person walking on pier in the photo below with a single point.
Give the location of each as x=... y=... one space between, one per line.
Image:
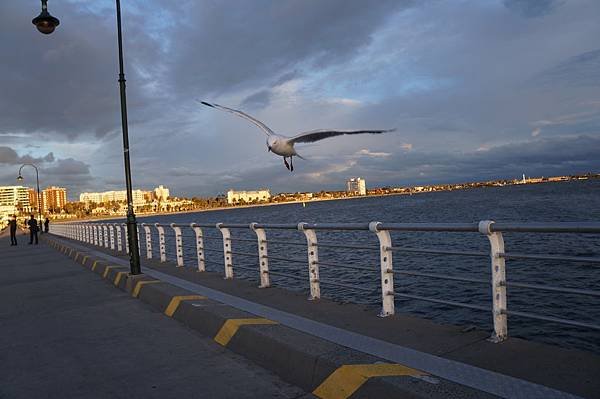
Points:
x=46 y=224
x=33 y=230
x=12 y=223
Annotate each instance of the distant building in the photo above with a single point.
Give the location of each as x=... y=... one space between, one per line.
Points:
x=33 y=198
x=161 y=193
x=54 y=199
x=357 y=186
x=234 y=197
x=108 y=196
x=14 y=199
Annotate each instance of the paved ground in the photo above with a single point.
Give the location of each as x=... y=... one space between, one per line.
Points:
x=66 y=333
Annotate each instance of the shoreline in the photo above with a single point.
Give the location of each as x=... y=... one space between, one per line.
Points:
x=147 y=215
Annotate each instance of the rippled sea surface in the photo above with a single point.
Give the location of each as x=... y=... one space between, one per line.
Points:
x=550 y=202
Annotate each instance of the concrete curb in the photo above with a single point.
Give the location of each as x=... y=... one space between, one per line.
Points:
x=328 y=370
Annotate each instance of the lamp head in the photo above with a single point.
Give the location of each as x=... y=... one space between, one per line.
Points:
x=19 y=178
x=45 y=22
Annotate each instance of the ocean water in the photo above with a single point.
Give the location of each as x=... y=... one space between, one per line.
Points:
x=550 y=202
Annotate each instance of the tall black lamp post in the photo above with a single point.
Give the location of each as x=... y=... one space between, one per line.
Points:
x=46 y=24
x=37 y=179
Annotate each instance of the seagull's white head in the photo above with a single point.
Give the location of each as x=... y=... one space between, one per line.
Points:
x=271 y=141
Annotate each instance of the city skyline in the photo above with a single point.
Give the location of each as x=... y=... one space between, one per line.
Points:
x=480 y=91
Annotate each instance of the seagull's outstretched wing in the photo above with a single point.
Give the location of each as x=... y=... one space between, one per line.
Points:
x=258 y=123
x=316 y=135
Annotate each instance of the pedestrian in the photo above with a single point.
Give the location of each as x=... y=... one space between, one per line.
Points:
x=33 y=230
x=46 y=225
x=12 y=223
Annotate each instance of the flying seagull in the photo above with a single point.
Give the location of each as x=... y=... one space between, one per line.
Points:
x=284 y=146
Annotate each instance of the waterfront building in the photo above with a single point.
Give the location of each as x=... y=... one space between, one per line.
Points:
x=13 y=200
x=33 y=198
x=234 y=197
x=54 y=199
x=357 y=186
x=161 y=193
x=109 y=196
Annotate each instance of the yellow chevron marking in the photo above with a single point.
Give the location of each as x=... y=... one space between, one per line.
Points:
x=344 y=381
x=231 y=327
x=107 y=269
x=176 y=300
x=140 y=284
x=85 y=258
x=118 y=278
x=94 y=265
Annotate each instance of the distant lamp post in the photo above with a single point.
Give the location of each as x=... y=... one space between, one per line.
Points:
x=46 y=24
x=37 y=178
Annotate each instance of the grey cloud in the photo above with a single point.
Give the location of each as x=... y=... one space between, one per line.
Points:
x=10 y=156
x=582 y=70
x=66 y=83
x=68 y=167
x=259 y=99
x=532 y=8
x=230 y=45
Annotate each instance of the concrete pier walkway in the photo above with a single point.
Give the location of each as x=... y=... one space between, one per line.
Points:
x=65 y=333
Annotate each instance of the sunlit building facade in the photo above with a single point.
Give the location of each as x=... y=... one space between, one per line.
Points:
x=357 y=186
x=234 y=197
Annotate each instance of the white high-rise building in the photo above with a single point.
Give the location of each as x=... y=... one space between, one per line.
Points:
x=161 y=193
x=14 y=199
x=356 y=185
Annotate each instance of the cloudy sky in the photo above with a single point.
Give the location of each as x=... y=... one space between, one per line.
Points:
x=476 y=89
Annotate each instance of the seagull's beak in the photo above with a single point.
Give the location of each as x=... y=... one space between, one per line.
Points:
x=269 y=149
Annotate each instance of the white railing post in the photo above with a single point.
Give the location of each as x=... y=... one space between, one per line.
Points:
x=119 y=238
x=498 y=280
x=95 y=234
x=111 y=230
x=124 y=226
x=105 y=235
x=263 y=256
x=199 y=247
x=227 y=256
x=98 y=235
x=178 y=244
x=161 y=242
x=85 y=233
x=148 y=241
x=313 y=261
x=387 y=272
x=79 y=232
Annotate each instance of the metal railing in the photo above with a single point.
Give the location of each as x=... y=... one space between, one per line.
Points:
x=109 y=235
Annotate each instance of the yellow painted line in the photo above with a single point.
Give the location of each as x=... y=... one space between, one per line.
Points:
x=118 y=278
x=76 y=256
x=94 y=265
x=344 y=381
x=140 y=284
x=70 y=251
x=231 y=326
x=176 y=300
x=85 y=258
x=107 y=269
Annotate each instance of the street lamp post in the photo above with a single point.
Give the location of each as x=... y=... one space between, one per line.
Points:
x=37 y=179
x=46 y=24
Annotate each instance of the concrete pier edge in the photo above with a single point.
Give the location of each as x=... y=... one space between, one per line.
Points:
x=324 y=368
